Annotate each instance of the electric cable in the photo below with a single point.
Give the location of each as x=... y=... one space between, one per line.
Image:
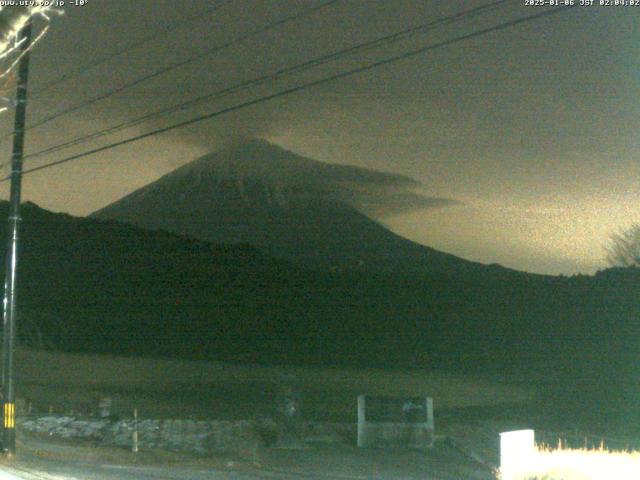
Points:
x=385 y=40
x=157 y=73
x=304 y=86
x=129 y=48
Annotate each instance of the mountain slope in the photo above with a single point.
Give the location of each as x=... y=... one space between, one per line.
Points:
x=306 y=211
x=101 y=286
x=110 y=287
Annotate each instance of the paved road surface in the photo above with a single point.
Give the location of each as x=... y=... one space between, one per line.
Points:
x=52 y=461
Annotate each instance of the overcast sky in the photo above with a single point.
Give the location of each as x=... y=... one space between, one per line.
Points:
x=532 y=129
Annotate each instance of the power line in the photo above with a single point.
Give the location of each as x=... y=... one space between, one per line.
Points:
x=387 y=39
x=169 y=28
x=157 y=73
x=304 y=86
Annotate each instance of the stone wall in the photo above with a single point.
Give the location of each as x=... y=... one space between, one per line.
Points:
x=217 y=436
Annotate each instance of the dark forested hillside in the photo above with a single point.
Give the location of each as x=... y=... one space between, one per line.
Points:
x=98 y=286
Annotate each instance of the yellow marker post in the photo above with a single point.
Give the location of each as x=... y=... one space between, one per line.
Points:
x=9 y=415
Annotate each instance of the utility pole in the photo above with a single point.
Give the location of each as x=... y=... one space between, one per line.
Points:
x=11 y=272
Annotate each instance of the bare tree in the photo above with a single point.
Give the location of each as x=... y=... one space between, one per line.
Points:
x=623 y=248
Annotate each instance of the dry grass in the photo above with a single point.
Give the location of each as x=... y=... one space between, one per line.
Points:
x=579 y=464
x=214 y=389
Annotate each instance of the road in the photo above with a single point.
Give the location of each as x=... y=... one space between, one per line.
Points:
x=308 y=464
x=79 y=471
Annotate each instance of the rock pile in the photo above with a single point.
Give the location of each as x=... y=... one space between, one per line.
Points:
x=175 y=435
x=214 y=436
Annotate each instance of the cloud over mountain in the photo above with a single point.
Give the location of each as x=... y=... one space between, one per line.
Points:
x=285 y=204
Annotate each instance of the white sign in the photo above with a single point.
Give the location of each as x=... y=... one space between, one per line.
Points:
x=517 y=452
